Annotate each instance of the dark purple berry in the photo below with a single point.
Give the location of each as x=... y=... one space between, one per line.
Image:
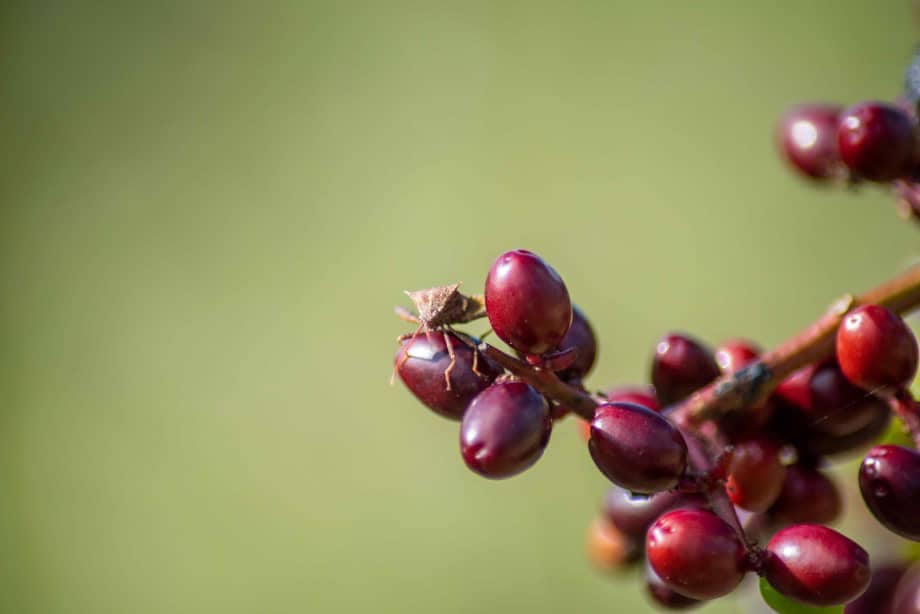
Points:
x=581 y=337
x=681 y=366
x=637 y=448
x=663 y=596
x=816 y=565
x=876 y=141
x=879 y=596
x=756 y=474
x=808 y=139
x=695 y=553
x=527 y=302
x=807 y=496
x=633 y=514
x=505 y=430
x=876 y=350
x=889 y=480
x=422 y=363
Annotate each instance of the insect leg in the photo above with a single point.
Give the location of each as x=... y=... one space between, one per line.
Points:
x=453 y=358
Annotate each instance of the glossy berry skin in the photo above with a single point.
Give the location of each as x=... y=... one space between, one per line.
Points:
x=663 y=596
x=876 y=349
x=581 y=337
x=637 y=448
x=807 y=496
x=816 y=565
x=527 y=302
x=681 y=366
x=876 y=141
x=889 y=480
x=879 y=596
x=505 y=430
x=422 y=371
x=756 y=475
x=634 y=514
x=808 y=140
x=735 y=354
x=695 y=553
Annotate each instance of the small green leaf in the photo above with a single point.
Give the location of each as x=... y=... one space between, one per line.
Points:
x=785 y=605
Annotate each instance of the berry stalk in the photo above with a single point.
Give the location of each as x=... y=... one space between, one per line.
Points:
x=736 y=392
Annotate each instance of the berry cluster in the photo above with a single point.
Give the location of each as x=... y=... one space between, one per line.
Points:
x=718 y=467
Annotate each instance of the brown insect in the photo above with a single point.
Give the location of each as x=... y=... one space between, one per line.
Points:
x=438 y=309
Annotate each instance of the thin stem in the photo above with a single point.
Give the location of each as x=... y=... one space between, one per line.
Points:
x=542 y=379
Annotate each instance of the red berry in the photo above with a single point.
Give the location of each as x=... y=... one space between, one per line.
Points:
x=756 y=474
x=838 y=407
x=816 y=565
x=876 y=349
x=807 y=496
x=634 y=514
x=695 y=553
x=876 y=140
x=808 y=138
x=581 y=337
x=422 y=363
x=733 y=355
x=505 y=430
x=527 y=302
x=889 y=480
x=637 y=448
x=681 y=366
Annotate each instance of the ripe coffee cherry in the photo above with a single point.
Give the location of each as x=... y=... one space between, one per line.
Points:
x=527 y=302
x=663 y=596
x=634 y=514
x=637 y=448
x=756 y=474
x=839 y=408
x=828 y=402
x=735 y=354
x=889 y=480
x=808 y=138
x=695 y=553
x=816 y=565
x=879 y=596
x=608 y=548
x=826 y=444
x=505 y=430
x=581 y=337
x=876 y=140
x=421 y=364
x=681 y=366
x=807 y=496
x=876 y=349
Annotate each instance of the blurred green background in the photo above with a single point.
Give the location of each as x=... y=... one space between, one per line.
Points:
x=210 y=209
